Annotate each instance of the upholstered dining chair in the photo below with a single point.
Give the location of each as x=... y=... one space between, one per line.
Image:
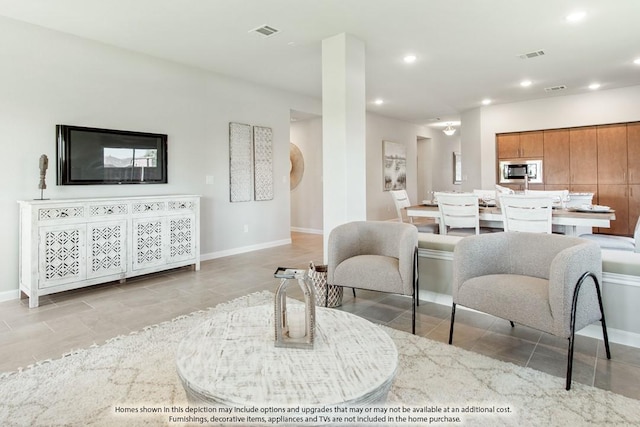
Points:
x=548 y=282
x=620 y=243
x=526 y=213
x=375 y=255
x=401 y=201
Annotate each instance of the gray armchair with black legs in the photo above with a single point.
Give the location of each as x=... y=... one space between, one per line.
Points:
x=375 y=255
x=545 y=281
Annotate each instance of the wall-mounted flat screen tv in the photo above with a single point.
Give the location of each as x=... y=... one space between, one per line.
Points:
x=106 y=156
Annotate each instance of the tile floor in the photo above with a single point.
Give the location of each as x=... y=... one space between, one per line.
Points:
x=78 y=319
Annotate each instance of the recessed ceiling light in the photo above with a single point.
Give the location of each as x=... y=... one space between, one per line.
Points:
x=576 y=16
x=525 y=83
x=378 y=101
x=486 y=101
x=594 y=86
x=410 y=59
x=636 y=61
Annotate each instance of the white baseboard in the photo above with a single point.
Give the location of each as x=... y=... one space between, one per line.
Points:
x=244 y=249
x=307 y=230
x=9 y=295
x=617 y=336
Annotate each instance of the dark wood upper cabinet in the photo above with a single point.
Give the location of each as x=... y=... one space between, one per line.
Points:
x=633 y=152
x=531 y=144
x=508 y=145
x=556 y=157
x=612 y=154
x=583 y=158
x=520 y=145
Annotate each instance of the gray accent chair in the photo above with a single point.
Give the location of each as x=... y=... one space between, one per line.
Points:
x=548 y=282
x=375 y=255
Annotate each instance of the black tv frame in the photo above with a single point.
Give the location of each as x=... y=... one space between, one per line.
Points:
x=68 y=170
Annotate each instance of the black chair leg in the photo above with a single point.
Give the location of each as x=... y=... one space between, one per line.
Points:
x=605 y=335
x=574 y=308
x=413 y=314
x=354 y=292
x=416 y=275
x=570 y=361
x=453 y=318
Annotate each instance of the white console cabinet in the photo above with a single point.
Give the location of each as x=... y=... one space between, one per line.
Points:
x=73 y=243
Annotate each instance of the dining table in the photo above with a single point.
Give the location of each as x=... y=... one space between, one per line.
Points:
x=571 y=222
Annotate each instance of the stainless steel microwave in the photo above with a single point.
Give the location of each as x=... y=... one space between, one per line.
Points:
x=514 y=171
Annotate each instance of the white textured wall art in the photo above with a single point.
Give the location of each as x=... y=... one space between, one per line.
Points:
x=263 y=162
x=240 y=162
x=394 y=159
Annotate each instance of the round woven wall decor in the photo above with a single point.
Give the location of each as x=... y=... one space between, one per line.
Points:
x=297 y=166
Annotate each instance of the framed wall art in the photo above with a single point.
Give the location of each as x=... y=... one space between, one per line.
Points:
x=263 y=163
x=457 y=167
x=394 y=166
x=240 y=162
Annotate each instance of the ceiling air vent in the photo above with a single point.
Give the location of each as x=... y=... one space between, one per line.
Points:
x=265 y=31
x=555 y=88
x=530 y=55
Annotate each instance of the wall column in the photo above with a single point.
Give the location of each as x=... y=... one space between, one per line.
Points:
x=343 y=132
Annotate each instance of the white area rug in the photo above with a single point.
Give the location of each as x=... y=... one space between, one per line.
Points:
x=137 y=373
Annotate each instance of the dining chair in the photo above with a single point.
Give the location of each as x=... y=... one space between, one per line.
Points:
x=459 y=213
x=560 y=197
x=488 y=197
x=526 y=213
x=620 y=243
x=401 y=200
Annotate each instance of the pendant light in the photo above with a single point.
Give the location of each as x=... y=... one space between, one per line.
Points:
x=449 y=130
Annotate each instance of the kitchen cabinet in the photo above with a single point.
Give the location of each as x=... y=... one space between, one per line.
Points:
x=602 y=159
x=520 y=145
x=556 y=155
x=612 y=154
x=508 y=145
x=583 y=155
x=532 y=144
x=633 y=165
x=634 y=207
x=70 y=244
x=633 y=152
x=615 y=196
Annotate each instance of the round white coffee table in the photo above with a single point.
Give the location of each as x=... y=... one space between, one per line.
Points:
x=231 y=360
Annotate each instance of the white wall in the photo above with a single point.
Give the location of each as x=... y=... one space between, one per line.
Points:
x=51 y=78
x=379 y=128
x=305 y=203
x=306 y=198
x=443 y=147
x=425 y=169
x=473 y=154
